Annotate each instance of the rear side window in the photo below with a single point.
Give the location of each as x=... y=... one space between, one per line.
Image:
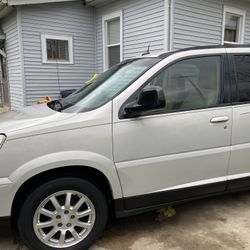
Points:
x=242 y=71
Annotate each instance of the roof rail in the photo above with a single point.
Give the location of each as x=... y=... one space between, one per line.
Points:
x=245 y=45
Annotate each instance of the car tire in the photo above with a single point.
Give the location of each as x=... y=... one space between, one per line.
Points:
x=50 y=217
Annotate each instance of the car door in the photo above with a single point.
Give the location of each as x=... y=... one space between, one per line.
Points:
x=182 y=150
x=239 y=170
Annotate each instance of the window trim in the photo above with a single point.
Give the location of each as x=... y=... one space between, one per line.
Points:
x=105 y=19
x=237 y=12
x=222 y=102
x=45 y=59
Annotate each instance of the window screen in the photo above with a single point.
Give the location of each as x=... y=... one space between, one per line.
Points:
x=242 y=70
x=57 y=50
x=232 y=25
x=114 y=32
x=113 y=41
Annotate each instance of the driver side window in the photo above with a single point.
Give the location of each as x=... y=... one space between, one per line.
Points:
x=191 y=83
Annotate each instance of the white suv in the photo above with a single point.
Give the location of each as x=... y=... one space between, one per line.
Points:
x=148 y=132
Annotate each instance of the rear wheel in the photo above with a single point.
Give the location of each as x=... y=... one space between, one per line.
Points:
x=66 y=213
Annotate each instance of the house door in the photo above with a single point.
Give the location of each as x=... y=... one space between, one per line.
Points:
x=3 y=78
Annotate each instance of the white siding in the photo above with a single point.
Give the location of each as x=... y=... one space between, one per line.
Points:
x=143 y=24
x=71 y=19
x=14 y=64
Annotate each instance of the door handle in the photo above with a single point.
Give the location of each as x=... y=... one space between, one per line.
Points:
x=219 y=119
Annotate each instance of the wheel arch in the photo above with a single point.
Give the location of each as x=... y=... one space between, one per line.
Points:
x=82 y=172
x=62 y=160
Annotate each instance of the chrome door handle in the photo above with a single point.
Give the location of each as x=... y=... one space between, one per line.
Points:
x=219 y=119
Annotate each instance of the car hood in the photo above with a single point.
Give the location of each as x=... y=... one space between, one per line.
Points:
x=25 y=117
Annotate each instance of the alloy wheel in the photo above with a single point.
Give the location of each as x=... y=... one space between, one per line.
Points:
x=64 y=219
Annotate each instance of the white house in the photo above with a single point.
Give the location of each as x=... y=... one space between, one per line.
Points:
x=51 y=45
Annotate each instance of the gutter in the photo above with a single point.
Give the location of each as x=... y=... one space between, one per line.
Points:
x=98 y=3
x=28 y=2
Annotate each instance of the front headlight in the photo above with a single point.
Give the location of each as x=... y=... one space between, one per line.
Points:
x=2 y=140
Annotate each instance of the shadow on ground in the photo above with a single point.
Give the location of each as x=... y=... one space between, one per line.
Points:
x=216 y=223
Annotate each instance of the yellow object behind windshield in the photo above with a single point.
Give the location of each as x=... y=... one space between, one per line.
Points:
x=45 y=100
x=94 y=77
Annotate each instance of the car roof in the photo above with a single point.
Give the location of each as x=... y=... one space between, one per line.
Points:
x=166 y=54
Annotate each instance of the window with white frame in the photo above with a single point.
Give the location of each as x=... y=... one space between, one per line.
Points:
x=112 y=39
x=233 y=25
x=57 y=49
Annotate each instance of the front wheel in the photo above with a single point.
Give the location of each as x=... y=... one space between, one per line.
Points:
x=66 y=213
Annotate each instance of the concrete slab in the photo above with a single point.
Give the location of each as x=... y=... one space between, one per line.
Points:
x=220 y=223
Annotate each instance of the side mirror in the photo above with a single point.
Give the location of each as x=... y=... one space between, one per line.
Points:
x=149 y=98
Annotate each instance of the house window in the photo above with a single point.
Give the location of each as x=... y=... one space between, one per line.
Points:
x=233 y=25
x=57 y=49
x=112 y=39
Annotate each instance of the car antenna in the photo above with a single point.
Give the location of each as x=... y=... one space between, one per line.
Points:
x=147 y=52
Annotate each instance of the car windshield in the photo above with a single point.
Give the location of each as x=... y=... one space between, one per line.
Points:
x=106 y=86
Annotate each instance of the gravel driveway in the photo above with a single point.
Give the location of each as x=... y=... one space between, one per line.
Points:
x=215 y=223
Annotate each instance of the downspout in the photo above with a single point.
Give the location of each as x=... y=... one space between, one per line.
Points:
x=20 y=37
x=171 y=25
x=2 y=53
x=4 y=11
x=168 y=24
x=1 y=81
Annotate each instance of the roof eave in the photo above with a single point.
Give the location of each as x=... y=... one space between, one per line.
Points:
x=27 y=2
x=98 y=3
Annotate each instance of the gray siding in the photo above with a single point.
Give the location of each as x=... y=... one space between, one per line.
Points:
x=195 y=22
x=143 y=24
x=71 y=19
x=14 y=63
x=199 y=22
